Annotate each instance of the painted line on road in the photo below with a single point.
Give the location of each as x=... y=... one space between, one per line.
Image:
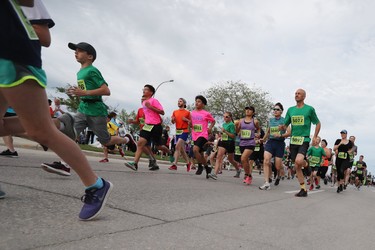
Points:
x=309 y=192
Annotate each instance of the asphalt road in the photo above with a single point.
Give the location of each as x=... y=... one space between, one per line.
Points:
x=175 y=210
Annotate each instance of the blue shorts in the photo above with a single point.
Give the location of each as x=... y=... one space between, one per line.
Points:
x=184 y=136
x=275 y=148
x=13 y=74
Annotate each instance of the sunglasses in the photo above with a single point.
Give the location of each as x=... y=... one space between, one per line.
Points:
x=226 y=116
x=276 y=109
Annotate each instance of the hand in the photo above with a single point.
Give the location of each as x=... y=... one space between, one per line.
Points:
x=148 y=104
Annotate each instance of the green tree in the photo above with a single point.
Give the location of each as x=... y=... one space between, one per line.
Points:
x=234 y=97
x=71 y=102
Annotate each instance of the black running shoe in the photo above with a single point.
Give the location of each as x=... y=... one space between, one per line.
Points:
x=301 y=193
x=199 y=170
x=208 y=171
x=9 y=153
x=277 y=181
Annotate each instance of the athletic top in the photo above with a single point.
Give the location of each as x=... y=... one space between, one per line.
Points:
x=152 y=117
x=247 y=133
x=181 y=125
x=301 y=119
x=274 y=128
x=89 y=78
x=199 y=122
x=231 y=129
x=343 y=150
x=316 y=154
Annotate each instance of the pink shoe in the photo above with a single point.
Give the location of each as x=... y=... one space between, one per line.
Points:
x=104 y=160
x=188 y=166
x=173 y=167
x=248 y=180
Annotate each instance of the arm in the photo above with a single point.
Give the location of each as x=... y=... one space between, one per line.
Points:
x=103 y=90
x=212 y=124
x=43 y=33
x=159 y=111
x=27 y=3
x=317 y=130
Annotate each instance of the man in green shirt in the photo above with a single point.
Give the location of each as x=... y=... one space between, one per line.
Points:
x=301 y=117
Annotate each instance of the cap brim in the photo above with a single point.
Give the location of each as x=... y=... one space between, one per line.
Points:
x=72 y=46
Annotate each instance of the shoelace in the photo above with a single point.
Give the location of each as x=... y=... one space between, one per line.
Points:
x=89 y=196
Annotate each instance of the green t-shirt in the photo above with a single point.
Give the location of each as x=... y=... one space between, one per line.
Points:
x=231 y=129
x=315 y=154
x=301 y=119
x=90 y=78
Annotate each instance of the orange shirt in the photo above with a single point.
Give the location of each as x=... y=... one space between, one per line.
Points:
x=140 y=118
x=181 y=124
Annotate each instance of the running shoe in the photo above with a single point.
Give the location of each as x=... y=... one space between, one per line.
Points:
x=94 y=201
x=9 y=153
x=345 y=187
x=199 y=170
x=338 y=190
x=154 y=167
x=171 y=158
x=212 y=176
x=316 y=181
x=341 y=188
x=104 y=160
x=2 y=194
x=173 y=167
x=57 y=167
x=308 y=182
x=277 y=181
x=301 y=193
x=208 y=171
x=248 y=180
x=193 y=167
x=325 y=181
x=238 y=174
x=131 y=143
x=68 y=129
x=188 y=167
x=311 y=187
x=266 y=186
x=317 y=187
x=132 y=165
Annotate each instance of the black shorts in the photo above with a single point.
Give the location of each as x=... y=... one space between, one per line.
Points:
x=200 y=143
x=228 y=145
x=154 y=135
x=257 y=154
x=306 y=171
x=322 y=172
x=298 y=149
x=360 y=177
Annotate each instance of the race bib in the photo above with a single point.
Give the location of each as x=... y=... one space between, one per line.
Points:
x=257 y=148
x=148 y=127
x=224 y=137
x=315 y=160
x=179 y=131
x=298 y=120
x=142 y=121
x=296 y=140
x=245 y=134
x=342 y=155
x=359 y=172
x=81 y=84
x=25 y=22
x=237 y=150
x=198 y=128
x=274 y=130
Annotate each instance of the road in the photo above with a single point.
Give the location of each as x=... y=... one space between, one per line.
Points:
x=175 y=210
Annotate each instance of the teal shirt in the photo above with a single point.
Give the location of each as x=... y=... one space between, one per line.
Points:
x=231 y=129
x=301 y=119
x=90 y=78
x=274 y=128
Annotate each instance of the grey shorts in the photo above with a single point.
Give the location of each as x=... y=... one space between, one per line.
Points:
x=98 y=125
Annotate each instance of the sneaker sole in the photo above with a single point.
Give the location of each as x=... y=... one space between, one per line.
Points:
x=55 y=171
x=130 y=166
x=103 y=203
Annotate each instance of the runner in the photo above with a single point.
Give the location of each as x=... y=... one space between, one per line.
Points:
x=200 y=119
x=181 y=117
x=341 y=148
x=315 y=154
x=152 y=130
x=352 y=155
x=275 y=146
x=249 y=130
x=326 y=161
x=226 y=145
x=301 y=117
x=360 y=172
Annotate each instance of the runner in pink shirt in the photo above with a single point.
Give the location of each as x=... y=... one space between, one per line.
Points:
x=152 y=129
x=200 y=119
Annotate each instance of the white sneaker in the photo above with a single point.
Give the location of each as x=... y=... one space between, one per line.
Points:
x=266 y=186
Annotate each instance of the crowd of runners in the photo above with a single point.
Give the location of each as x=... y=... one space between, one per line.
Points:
x=242 y=143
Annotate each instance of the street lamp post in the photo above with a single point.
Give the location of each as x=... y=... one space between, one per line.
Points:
x=161 y=84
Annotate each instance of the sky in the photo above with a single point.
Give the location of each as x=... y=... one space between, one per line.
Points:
x=326 y=47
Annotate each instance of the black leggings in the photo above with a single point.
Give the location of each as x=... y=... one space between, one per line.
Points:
x=341 y=166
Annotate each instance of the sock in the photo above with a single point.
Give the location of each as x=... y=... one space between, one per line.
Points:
x=98 y=184
x=303 y=186
x=62 y=126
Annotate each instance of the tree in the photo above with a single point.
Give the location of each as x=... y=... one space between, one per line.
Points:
x=71 y=102
x=234 y=97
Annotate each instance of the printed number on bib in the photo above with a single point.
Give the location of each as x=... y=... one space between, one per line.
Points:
x=274 y=130
x=298 y=120
x=314 y=160
x=224 y=137
x=245 y=134
x=342 y=155
x=81 y=84
x=148 y=127
x=198 y=128
x=297 y=140
x=257 y=149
